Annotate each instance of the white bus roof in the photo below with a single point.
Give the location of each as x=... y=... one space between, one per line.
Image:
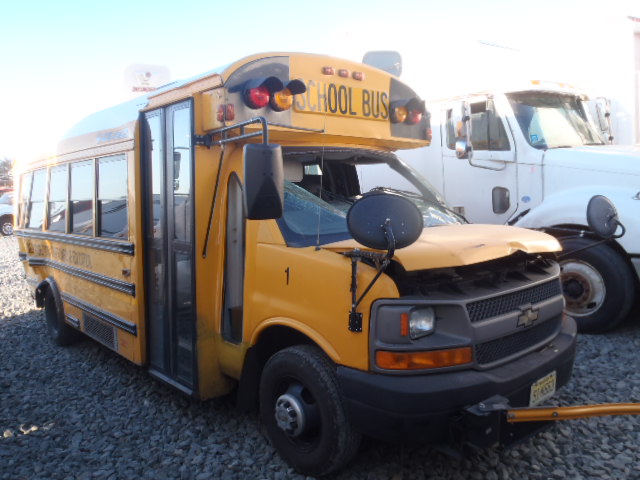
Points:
x=118 y=115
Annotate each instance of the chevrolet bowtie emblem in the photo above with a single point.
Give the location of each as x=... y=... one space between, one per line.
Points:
x=527 y=317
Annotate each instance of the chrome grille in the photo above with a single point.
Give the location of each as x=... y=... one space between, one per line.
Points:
x=492 y=307
x=494 y=350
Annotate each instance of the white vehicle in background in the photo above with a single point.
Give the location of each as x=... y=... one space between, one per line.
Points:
x=533 y=157
x=6 y=214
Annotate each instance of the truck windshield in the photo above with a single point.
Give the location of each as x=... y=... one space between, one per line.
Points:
x=552 y=120
x=321 y=187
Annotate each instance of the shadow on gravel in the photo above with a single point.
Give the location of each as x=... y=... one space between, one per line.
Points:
x=84 y=412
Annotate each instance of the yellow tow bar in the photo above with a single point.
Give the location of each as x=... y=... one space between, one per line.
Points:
x=518 y=415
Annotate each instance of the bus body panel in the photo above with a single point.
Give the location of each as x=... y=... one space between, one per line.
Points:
x=208 y=299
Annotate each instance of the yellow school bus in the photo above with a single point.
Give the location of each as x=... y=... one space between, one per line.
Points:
x=251 y=230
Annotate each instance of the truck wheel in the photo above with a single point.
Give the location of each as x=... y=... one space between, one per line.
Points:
x=61 y=333
x=302 y=410
x=598 y=285
x=6 y=225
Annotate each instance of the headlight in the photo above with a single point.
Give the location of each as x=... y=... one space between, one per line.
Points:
x=422 y=322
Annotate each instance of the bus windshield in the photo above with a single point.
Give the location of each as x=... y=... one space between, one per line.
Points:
x=317 y=199
x=552 y=120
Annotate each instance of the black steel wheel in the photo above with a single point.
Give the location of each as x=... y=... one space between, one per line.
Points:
x=303 y=412
x=598 y=285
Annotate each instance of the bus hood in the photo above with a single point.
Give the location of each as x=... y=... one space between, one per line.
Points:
x=623 y=159
x=458 y=245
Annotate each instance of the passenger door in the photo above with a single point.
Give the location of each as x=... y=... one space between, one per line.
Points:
x=483 y=187
x=169 y=257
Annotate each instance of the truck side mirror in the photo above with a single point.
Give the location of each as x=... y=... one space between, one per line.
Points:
x=462 y=125
x=263 y=181
x=602 y=217
x=602 y=107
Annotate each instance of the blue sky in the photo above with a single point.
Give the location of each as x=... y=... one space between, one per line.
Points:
x=63 y=60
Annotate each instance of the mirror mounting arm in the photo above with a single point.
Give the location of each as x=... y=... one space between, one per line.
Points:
x=355 y=317
x=599 y=242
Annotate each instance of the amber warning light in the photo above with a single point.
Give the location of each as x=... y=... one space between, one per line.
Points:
x=407 y=111
x=271 y=91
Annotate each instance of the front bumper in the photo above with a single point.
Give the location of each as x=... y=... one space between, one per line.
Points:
x=424 y=406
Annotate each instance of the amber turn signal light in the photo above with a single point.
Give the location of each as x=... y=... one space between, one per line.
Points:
x=423 y=360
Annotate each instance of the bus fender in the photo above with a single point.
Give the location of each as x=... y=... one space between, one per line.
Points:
x=272 y=338
x=41 y=292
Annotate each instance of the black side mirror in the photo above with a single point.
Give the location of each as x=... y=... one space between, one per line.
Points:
x=385 y=221
x=602 y=217
x=263 y=181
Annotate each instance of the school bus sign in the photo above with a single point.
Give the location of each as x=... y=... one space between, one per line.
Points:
x=334 y=99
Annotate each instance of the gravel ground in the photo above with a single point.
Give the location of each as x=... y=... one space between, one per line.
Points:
x=85 y=413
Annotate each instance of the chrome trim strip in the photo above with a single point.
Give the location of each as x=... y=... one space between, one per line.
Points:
x=124 y=248
x=103 y=315
x=72 y=320
x=113 y=283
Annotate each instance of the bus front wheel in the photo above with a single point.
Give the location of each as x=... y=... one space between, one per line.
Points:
x=61 y=333
x=303 y=413
x=597 y=283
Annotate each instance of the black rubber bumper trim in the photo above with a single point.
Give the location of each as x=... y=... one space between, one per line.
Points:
x=385 y=406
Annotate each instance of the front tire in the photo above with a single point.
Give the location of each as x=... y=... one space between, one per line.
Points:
x=598 y=285
x=302 y=410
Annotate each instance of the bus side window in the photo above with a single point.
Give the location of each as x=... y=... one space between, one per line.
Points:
x=58 y=191
x=112 y=197
x=25 y=193
x=36 y=201
x=81 y=202
x=234 y=264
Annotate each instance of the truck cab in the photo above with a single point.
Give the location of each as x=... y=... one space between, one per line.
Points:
x=534 y=159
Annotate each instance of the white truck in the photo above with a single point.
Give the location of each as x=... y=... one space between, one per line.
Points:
x=533 y=157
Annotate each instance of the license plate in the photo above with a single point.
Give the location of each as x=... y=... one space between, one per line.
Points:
x=543 y=389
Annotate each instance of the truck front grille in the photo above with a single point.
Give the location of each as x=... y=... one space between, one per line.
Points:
x=492 y=307
x=494 y=350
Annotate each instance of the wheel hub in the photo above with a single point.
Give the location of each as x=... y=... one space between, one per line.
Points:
x=583 y=288
x=290 y=415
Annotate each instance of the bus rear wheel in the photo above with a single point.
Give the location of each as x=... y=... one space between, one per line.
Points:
x=61 y=333
x=598 y=285
x=303 y=413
